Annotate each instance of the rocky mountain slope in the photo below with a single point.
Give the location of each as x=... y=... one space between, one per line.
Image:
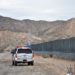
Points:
x=44 y=29
x=38 y=31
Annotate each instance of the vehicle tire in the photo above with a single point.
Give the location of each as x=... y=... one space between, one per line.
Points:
x=32 y=63
x=29 y=63
x=12 y=62
x=15 y=63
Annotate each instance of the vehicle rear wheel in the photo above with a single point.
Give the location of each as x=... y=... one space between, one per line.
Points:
x=12 y=62
x=32 y=63
x=29 y=63
x=15 y=63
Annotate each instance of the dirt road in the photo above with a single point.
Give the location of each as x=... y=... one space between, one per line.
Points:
x=42 y=66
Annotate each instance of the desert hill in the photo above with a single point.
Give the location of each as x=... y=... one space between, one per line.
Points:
x=39 y=31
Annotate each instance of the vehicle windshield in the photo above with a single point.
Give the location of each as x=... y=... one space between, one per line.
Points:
x=24 y=51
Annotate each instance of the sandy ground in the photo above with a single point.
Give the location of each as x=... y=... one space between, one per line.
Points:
x=42 y=66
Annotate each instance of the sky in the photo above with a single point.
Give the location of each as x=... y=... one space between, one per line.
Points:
x=38 y=9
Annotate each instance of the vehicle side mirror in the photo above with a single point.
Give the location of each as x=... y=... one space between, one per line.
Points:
x=12 y=52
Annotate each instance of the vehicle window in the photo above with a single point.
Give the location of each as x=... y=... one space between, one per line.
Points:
x=24 y=51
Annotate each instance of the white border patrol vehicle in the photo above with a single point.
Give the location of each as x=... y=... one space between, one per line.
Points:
x=22 y=55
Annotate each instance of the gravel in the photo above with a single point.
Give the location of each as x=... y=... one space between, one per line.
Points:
x=42 y=66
